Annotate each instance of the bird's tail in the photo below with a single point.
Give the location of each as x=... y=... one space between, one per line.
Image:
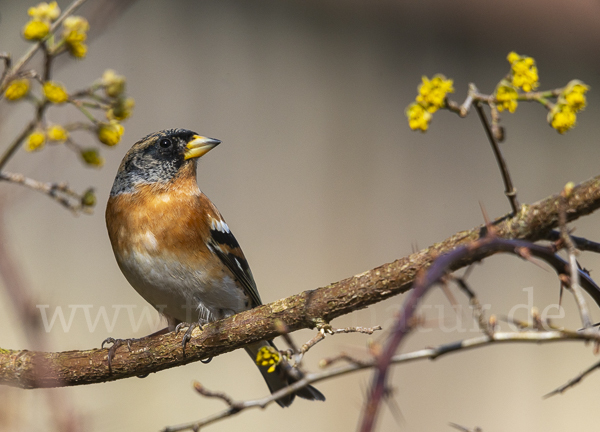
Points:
x=279 y=378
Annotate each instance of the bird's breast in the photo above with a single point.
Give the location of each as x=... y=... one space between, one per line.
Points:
x=158 y=241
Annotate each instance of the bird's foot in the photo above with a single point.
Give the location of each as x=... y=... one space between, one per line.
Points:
x=116 y=343
x=188 y=335
x=323 y=326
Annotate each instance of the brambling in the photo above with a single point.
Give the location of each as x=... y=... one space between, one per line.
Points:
x=175 y=248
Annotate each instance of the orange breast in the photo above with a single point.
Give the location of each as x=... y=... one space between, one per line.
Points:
x=158 y=237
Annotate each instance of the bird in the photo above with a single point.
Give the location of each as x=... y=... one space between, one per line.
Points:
x=174 y=247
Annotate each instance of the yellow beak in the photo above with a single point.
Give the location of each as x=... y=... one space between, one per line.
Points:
x=199 y=146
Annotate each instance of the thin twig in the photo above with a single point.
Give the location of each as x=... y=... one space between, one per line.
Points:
x=574 y=381
x=60 y=192
x=478 y=310
x=464 y=429
x=7 y=62
x=320 y=335
x=210 y=394
x=509 y=189
x=574 y=284
x=581 y=243
x=14 y=146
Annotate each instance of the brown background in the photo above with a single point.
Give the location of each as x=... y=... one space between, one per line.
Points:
x=320 y=178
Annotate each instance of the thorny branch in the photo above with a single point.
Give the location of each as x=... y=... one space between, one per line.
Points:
x=574 y=381
x=494 y=133
x=509 y=189
x=355 y=365
x=435 y=275
x=573 y=282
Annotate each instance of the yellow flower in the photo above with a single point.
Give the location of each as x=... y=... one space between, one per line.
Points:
x=75 y=34
x=121 y=110
x=55 y=92
x=114 y=85
x=36 y=30
x=77 y=49
x=17 y=89
x=562 y=117
x=574 y=95
x=57 y=133
x=418 y=117
x=77 y=24
x=506 y=97
x=268 y=356
x=41 y=16
x=512 y=57
x=432 y=93
x=45 y=11
x=35 y=141
x=524 y=71
x=110 y=133
x=92 y=157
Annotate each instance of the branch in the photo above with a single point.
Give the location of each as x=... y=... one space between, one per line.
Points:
x=509 y=189
x=305 y=310
x=57 y=191
x=573 y=381
x=434 y=275
x=529 y=336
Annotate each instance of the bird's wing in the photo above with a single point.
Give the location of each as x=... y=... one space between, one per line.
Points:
x=222 y=243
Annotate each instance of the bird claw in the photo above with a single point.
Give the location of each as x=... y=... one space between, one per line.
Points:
x=112 y=350
x=188 y=335
x=324 y=327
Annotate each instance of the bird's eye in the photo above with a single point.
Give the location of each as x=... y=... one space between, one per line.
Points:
x=165 y=143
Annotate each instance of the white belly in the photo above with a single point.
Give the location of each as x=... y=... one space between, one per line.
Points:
x=177 y=291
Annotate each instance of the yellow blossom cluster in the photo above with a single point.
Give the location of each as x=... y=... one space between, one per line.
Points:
x=110 y=133
x=418 y=117
x=506 y=96
x=121 y=106
x=268 y=356
x=432 y=93
x=563 y=115
x=431 y=97
x=523 y=71
x=17 y=89
x=55 y=92
x=75 y=30
x=37 y=139
x=42 y=17
x=106 y=94
x=57 y=133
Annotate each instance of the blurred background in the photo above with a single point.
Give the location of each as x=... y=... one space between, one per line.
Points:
x=320 y=178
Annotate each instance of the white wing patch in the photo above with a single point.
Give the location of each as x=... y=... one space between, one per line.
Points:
x=237 y=261
x=219 y=225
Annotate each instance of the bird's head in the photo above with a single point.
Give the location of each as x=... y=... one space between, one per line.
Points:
x=160 y=158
